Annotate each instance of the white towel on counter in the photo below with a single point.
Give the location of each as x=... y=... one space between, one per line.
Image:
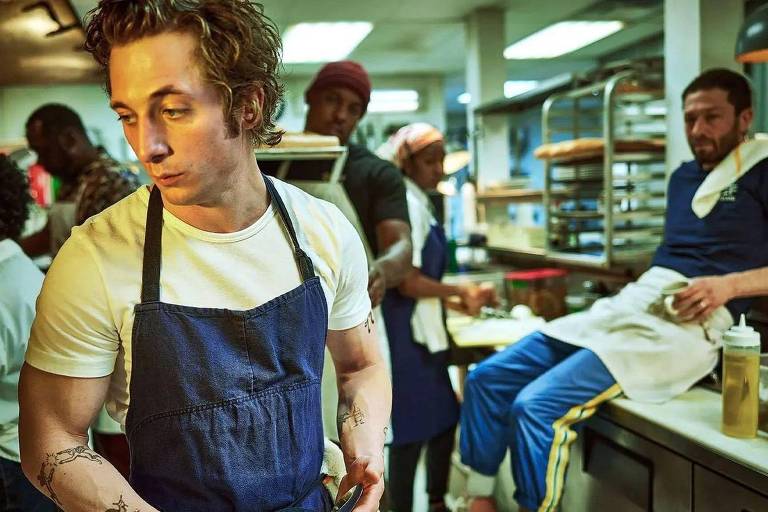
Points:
x=738 y=162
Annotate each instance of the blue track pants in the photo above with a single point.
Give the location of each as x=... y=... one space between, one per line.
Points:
x=528 y=399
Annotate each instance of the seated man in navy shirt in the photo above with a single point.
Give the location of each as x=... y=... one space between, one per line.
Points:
x=528 y=398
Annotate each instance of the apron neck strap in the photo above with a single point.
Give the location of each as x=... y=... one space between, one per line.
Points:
x=153 y=239
x=150 y=278
x=303 y=261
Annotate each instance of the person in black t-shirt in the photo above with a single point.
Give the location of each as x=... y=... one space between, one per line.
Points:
x=338 y=98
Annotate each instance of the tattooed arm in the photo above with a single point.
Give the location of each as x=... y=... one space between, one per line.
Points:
x=365 y=401
x=55 y=413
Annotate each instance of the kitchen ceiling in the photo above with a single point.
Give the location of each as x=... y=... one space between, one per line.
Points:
x=409 y=38
x=29 y=56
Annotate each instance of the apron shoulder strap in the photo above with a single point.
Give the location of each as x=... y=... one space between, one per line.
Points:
x=153 y=237
x=303 y=261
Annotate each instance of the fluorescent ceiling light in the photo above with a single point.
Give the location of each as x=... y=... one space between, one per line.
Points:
x=561 y=38
x=394 y=100
x=31 y=24
x=322 y=42
x=512 y=88
x=57 y=61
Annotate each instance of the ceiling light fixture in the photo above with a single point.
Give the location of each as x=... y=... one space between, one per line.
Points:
x=60 y=27
x=512 y=88
x=322 y=42
x=561 y=38
x=394 y=100
x=752 y=42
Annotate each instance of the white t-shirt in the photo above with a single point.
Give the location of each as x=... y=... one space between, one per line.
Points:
x=85 y=311
x=20 y=282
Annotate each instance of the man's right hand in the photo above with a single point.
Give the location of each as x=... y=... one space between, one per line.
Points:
x=369 y=471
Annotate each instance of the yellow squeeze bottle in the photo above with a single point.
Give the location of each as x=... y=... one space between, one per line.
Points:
x=741 y=374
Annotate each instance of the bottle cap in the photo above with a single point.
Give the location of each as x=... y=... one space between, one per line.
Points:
x=742 y=336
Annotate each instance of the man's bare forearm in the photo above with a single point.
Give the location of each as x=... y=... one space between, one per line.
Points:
x=417 y=286
x=78 y=479
x=393 y=237
x=750 y=283
x=395 y=262
x=54 y=414
x=38 y=243
x=365 y=402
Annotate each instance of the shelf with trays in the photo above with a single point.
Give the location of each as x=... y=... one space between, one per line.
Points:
x=317 y=170
x=604 y=191
x=511 y=195
x=651 y=213
x=329 y=163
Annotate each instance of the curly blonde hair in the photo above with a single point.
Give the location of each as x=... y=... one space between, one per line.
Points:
x=239 y=49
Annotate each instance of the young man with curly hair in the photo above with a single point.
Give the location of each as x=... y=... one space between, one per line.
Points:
x=20 y=282
x=200 y=307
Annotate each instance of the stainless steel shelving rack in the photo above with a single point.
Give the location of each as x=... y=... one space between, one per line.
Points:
x=335 y=155
x=606 y=208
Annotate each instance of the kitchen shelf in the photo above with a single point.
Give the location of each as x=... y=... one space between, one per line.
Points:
x=599 y=158
x=285 y=156
x=604 y=196
x=511 y=195
x=529 y=98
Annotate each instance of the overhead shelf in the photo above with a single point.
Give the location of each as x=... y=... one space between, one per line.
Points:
x=279 y=161
x=529 y=252
x=319 y=153
x=599 y=157
x=511 y=195
x=530 y=98
x=599 y=214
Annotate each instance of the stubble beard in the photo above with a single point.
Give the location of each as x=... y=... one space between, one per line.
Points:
x=720 y=148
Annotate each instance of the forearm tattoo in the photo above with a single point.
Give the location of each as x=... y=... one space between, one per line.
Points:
x=369 y=322
x=355 y=417
x=54 y=460
x=121 y=506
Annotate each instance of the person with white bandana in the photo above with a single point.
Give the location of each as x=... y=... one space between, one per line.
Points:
x=529 y=397
x=425 y=409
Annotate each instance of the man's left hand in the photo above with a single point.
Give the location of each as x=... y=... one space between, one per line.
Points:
x=702 y=297
x=377 y=285
x=369 y=471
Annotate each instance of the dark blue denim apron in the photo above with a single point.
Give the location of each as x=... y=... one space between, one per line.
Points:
x=225 y=405
x=423 y=401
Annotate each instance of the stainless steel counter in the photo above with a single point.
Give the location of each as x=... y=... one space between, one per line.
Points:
x=690 y=426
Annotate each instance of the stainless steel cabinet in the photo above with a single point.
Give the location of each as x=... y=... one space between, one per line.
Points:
x=715 y=493
x=614 y=469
